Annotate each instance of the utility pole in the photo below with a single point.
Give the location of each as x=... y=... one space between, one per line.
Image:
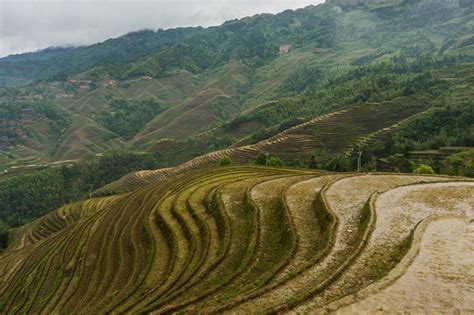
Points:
x=359 y=162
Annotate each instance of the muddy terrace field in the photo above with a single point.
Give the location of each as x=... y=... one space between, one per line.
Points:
x=252 y=240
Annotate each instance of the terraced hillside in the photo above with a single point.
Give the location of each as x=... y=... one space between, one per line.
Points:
x=188 y=91
x=327 y=135
x=197 y=112
x=251 y=239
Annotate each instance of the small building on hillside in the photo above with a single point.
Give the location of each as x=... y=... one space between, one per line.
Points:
x=25 y=98
x=64 y=95
x=108 y=83
x=28 y=113
x=285 y=48
x=5 y=123
x=146 y=77
x=79 y=82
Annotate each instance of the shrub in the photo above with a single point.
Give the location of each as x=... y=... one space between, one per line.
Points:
x=461 y=164
x=338 y=164
x=261 y=159
x=225 y=161
x=275 y=161
x=424 y=169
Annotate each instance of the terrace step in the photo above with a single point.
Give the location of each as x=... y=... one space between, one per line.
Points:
x=274 y=245
x=432 y=236
x=312 y=232
x=195 y=206
x=335 y=133
x=343 y=196
x=232 y=198
x=194 y=252
x=250 y=240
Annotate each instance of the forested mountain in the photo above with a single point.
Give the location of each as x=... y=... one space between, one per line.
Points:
x=254 y=39
x=59 y=63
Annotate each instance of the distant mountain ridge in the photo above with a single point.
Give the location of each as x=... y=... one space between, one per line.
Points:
x=360 y=2
x=191 y=48
x=461 y=3
x=61 y=62
x=41 y=54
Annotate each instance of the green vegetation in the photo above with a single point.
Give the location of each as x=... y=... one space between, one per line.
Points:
x=368 y=83
x=225 y=161
x=302 y=78
x=460 y=164
x=186 y=92
x=127 y=117
x=26 y=197
x=445 y=125
x=338 y=164
x=56 y=64
x=275 y=161
x=20 y=112
x=261 y=159
x=4 y=236
x=424 y=169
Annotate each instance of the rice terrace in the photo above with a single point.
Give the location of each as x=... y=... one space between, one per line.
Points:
x=251 y=239
x=316 y=159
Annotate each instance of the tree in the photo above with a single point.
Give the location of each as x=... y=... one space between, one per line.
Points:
x=461 y=164
x=312 y=162
x=406 y=165
x=225 y=161
x=455 y=164
x=275 y=161
x=338 y=164
x=261 y=159
x=28 y=196
x=424 y=169
x=4 y=235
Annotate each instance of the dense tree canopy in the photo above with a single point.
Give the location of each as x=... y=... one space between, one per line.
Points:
x=29 y=196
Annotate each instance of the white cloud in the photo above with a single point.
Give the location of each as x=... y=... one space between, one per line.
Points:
x=27 y=25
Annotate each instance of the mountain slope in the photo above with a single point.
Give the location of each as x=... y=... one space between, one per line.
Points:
x=199 y=111
x=329 y=135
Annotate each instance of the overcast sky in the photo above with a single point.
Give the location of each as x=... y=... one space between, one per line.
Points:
x=28 y=25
